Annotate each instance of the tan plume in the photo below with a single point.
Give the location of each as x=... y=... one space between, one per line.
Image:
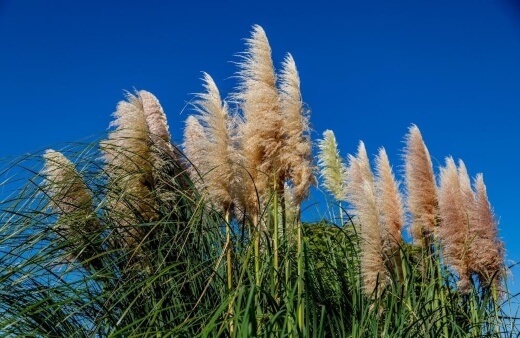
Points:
x=72 y=200
x=488 y=250
x=261 y=131
x=156 y=121
x=362 y=196
x=390 y=203
x=421 y=187
x=221 y=159
x=296 y=155
x=129 y=166
x=455 y=227
x=195 y=147
x=64 y=184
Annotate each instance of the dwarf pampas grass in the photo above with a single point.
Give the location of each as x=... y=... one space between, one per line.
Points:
x=362 y=196
x=420 y=184
x=454 y=228
x=296 y=154
x=332 y=168
x=487 y=249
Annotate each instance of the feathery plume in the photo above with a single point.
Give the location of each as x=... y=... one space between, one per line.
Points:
x=390 y=203
x=165 y=158
x=195 y=146
x=64 y=184
x=297 y=148
x=129 y=166
x=220 y=175
x=455 y=227
x=261 y=131
x=72 y=200
x=362 y=196
x=156 y=121
x=465 y=185
x=487 y=249
x=333 y=169
x=420 y=183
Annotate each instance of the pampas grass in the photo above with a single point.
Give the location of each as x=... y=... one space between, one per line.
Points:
x=391 y=218
x=261 y=130
x=421 y=187
x=129 y=163
x=65 y=186
x=332 y=168
x=194 y=146
x=362 y=196
x=296 y=153
x=220 y=170
x=390 y=202
x=71 y=199
x=152 y=248
x=455 y=228
x=488 y=250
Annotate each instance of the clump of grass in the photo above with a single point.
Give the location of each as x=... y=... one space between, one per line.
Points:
x=134 y=237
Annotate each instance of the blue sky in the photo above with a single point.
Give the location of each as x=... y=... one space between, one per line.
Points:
x=369 y=69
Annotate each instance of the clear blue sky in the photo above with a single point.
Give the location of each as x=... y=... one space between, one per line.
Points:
x=368 y=68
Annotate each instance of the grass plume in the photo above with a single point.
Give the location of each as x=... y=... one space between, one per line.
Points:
x=420 y=185
x=333 y=169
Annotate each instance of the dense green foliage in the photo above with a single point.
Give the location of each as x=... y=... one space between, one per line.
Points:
x=173 y=283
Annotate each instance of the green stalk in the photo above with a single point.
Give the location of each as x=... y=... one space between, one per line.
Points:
x=275 y=244
x=257 y=249
x=443 y=300
x=229 y=267
x=340 y=213
x=228 y=250
x=300 y=310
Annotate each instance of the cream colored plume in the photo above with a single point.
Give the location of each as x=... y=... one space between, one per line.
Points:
x=220 y=163
x=332 y=168
x=420 y=184
x=72 y=200
x=129 y=165
x=195 y=147
x=261 y=131
x=296 y=155
x=362 y=197
x=156 y=121
x=390 y=203
x=488 y=250
x=454 y=230
x=64 y=184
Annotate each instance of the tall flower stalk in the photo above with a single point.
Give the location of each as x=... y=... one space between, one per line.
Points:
x=261 y=130
x=214 y=140
x=296 y=162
